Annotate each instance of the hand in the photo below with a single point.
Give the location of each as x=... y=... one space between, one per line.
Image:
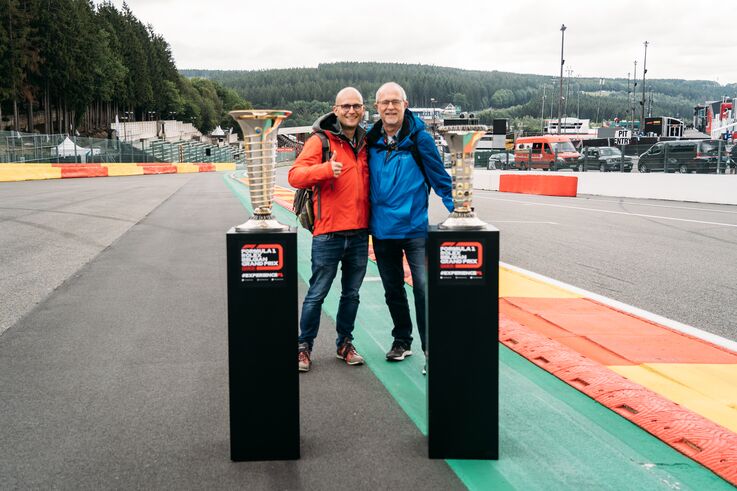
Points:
x=337 y=166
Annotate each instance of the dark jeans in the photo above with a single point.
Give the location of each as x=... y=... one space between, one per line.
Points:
x=389 y=260
x=328 y=250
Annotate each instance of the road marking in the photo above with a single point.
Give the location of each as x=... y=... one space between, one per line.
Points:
x=532 y=203
x=662 y=206
x=524 y=221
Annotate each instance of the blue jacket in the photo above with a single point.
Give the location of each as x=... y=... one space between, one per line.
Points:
x=398 y=190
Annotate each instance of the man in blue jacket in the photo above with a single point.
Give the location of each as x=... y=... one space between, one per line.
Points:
x=403 y=164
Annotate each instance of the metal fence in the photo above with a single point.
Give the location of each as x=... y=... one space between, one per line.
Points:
x=640 y=155
x=31 y=147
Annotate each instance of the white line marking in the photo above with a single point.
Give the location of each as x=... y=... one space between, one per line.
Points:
x=675 y=325
x=661 y=206
x=523 y=221
x=658 y=217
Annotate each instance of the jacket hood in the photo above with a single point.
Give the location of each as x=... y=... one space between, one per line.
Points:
x=328 y=123
x=411 y=125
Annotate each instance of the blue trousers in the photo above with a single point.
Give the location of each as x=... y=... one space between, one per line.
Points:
x=329 y=250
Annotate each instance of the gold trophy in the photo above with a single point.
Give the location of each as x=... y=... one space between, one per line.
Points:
x=462 y=141
x=259 y=144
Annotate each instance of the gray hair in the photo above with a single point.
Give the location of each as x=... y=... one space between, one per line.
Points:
x=392 y=85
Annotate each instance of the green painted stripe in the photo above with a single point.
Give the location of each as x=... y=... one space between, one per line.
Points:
x=552 y=437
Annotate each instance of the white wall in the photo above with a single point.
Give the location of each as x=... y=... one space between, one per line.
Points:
x=701 y=188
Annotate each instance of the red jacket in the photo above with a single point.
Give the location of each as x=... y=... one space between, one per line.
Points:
x=340 y=203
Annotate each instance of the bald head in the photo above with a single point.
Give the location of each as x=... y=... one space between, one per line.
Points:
x=348 y=92
x=349 y=110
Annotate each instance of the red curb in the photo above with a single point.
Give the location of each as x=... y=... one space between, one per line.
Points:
x=698 y=438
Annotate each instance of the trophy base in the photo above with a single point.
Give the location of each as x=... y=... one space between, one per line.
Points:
x=462 y=221
x=261 y=223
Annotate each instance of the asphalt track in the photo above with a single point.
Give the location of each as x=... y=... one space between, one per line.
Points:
x=117 y=379
x=674 y=259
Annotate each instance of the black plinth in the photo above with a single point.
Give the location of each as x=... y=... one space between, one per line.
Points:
x=463 y=326
x=262 y=345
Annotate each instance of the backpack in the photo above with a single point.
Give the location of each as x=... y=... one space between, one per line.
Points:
x=303 y=204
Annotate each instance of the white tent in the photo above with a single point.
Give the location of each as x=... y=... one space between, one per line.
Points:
x=68 y=148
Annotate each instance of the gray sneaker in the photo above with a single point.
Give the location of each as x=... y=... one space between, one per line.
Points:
x=424 y=368
x=398 y=352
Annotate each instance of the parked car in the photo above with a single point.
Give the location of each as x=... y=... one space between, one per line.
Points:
x=603 y=159
x=683 y=156
x=501 y=160
x=547 y=152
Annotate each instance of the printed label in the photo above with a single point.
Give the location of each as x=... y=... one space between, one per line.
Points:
x=262 y=263
x=461 y=261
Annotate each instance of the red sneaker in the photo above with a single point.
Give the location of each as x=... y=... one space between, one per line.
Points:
x=303 y=359
x=348 y=352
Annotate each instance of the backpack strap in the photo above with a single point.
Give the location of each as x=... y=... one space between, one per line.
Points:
x=325 y=157
x=418 y=159
x=325 y=145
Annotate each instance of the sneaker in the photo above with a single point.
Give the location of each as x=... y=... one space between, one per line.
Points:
x=303 y=358
x=424 y=368
x=398 y=352
x=348 y=352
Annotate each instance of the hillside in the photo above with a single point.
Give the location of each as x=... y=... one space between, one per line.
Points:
x=309 y=91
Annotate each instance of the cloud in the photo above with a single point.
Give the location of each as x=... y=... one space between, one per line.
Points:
x=688 y=40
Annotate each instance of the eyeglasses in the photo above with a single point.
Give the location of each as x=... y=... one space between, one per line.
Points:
x=393 y=102
x=347 y=107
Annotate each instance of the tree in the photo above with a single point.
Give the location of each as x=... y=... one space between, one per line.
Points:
x=502 y=98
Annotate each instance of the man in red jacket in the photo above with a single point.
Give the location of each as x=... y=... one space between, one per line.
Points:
x=341 y=210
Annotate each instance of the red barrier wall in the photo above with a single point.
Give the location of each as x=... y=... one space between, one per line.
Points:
x=81 y=170
x=158 y=168
x=545 y=185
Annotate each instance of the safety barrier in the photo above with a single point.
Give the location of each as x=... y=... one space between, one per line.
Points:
x=546 y=185
x=27 y=172
x=698 y=188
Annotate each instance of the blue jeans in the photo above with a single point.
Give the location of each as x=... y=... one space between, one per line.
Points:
x=389 y=261
x=328 y=250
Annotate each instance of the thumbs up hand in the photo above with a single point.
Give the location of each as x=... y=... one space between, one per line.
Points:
x=337 y=166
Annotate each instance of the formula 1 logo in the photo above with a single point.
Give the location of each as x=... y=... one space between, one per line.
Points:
x=262 y=262
x=461 y=255
x=462 y=262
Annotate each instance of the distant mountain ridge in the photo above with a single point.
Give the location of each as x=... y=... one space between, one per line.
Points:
x=491 y=93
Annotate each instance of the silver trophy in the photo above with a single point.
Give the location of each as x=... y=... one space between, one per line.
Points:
x=259 y=145
x=462 y=142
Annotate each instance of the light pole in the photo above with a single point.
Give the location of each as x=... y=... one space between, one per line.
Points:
x=434 y=126
x=562 y=62
x=628 y=93
x=542 y=114
x=634 y=95
x=569 y=71
x=642 y=102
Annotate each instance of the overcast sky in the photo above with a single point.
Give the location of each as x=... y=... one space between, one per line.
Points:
x=689 y=40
